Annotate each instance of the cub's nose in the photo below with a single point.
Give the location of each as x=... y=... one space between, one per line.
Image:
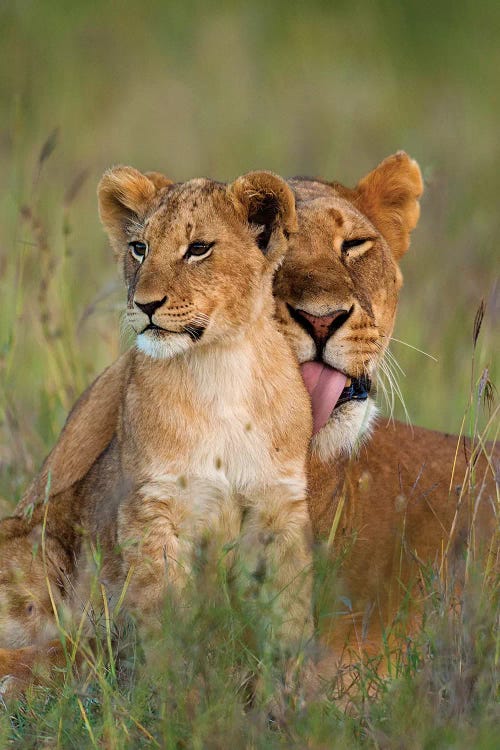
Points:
x=321 y=327
x=149 y=308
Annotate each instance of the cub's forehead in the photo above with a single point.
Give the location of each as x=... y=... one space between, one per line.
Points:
x=187 y=208
x=194 y=195
x=188 y=204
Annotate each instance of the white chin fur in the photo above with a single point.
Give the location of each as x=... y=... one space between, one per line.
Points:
x=163 y=347
x=346 y=430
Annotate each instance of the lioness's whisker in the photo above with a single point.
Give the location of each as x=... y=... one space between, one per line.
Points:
x=387 y=369
x=381 y=375
x=386 y=396
x=397 y=389
x=390 y=356
x=415 y=348
x=389 y=389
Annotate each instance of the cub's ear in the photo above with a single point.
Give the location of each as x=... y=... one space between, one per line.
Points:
x=389 y=197
x=158 y=179
x=13 y=526
x=266 y=203
x=125 y=196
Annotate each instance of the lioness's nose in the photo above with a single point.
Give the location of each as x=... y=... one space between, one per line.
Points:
x=149 y=308
x=321 y=327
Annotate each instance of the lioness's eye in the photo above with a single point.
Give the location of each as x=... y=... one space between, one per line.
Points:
x=138 y=250
x=357 y=242
x=198 y=250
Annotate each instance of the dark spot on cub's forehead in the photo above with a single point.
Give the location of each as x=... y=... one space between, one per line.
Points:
x=336 y=216
x=190 y=194
x=185 y=202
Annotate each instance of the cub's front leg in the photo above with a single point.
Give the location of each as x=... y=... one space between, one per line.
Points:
x=276 y=557
x=160 y=528
x=155 y=550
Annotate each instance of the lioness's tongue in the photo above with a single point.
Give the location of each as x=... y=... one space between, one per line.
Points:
x=324 y=385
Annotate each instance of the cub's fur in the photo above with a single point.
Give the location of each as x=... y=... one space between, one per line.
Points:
x=214 y=419
x=225 y=452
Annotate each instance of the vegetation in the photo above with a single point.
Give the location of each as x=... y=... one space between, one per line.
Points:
x=204 y=88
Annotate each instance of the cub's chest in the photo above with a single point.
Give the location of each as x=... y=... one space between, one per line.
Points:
x=208 y=424
x=225 y=443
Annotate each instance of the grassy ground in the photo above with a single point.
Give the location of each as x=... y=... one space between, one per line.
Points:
x=198 y=88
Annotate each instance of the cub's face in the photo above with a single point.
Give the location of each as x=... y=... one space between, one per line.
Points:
x=198 y=257
x=337 y=290
x=26 y=612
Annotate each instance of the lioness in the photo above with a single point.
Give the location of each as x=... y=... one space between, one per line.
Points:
x=214 y=419
x=337 y=297
x=387 y=508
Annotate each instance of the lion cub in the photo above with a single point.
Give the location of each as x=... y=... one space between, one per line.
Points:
x=215 y=420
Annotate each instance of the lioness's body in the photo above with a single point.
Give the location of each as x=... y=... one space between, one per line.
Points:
x=390 y=516
x=396 y=515
x=386 y=508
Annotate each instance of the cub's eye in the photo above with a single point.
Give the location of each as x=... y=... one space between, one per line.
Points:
x=358 y=243
x=198 y=250
x=138 y=250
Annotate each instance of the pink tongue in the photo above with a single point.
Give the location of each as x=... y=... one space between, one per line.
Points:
x=324 y=385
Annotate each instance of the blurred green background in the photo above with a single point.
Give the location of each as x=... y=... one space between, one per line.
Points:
x=215 y=89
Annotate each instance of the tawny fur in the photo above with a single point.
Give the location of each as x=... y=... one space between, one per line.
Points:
x=213 y=430
x=211 y=434
x=385 y=508
x=396 y=510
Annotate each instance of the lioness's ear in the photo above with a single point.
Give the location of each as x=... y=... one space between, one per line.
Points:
x=389 y=197
x=268 y=204
x=125 y=195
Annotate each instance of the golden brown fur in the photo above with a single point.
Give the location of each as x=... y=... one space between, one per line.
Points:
x=387 y=509
x=389 y=505
x=362 y=283
x=390 y=516
x=224 y=454
x=212 y=442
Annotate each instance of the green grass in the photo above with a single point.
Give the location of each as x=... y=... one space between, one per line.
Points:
x=195 y=693
x=217 y=89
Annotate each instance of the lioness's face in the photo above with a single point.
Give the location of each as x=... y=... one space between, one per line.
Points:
x=338 y=286
x=198 y=257
x=337 y=290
